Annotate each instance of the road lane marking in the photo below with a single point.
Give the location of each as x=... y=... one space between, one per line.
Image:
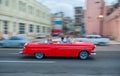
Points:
x=14 y=53
x=2 y=49
x=5 y=61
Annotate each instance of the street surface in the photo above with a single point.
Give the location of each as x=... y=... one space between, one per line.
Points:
x=105 y=63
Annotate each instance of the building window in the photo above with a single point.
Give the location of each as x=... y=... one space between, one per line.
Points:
x=38 y=29
x=78 y=11
x=48 y=30
x=14 y=26
x=22 y=6
x=30 y=9
x=77 y=20
x=97 y=2
x=0 y=1
x=43 y=29
x=21 y=28
x=5 y=27
x=31 y=28
x=6 y=2
x=37 y=13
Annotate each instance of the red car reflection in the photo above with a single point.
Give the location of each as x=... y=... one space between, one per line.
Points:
x=78 y=49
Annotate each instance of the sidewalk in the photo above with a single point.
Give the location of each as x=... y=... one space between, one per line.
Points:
x=114 y=42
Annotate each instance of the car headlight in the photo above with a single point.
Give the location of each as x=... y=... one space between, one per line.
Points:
x=25 y=45
x=95 y=46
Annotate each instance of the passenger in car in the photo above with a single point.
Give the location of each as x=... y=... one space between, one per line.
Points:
x=48 y=41
x=68 y=40
x=62 y=41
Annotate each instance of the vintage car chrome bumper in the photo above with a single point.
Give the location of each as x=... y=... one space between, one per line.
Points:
x=20 y=52
x=92 y=53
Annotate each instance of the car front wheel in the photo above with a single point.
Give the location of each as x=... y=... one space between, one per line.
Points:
x=83 y=55
x=39 y=55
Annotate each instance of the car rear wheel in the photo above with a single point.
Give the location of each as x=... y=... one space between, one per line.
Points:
x=39 y=55
x=83 y=55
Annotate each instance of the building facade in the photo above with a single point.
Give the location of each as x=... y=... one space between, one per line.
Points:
x=79 y=20
x=68 y=25
x=57 y=22
x=94 y=16
x=24 y=17
x=112 y=22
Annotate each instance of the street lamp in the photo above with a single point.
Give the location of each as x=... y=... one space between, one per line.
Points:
x=100 y=16
x=101 y=24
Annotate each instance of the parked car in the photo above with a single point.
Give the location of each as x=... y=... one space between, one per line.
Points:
x=96 y=39
x=40 y=36
x=14 y=41
x=40 y=50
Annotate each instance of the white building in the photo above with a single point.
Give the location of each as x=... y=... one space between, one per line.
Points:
x=24 y=17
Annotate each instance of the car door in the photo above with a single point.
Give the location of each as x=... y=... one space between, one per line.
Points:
x=48 y=49
x=13 y=42
x=64 y=50
x=9 y=43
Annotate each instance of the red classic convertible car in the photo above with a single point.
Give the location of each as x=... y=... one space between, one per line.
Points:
x=40 y=50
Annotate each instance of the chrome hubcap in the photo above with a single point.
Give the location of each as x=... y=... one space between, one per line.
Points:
x=39 y=55
x=83 y=55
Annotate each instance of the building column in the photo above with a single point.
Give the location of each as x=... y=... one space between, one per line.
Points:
x=10 y=28
x=27 y=29
x=119 y=30
x=34 y=29
x=1 y=28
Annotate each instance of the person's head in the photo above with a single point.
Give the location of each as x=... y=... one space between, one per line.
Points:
x=62 y=38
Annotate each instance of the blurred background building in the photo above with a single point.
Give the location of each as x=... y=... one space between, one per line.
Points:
x=94 y=16
x=61 y=25
x=24 y=17
x=112 y=21
x=57 y=24
x=79 y=21
x=102 y=19
x=68 y=25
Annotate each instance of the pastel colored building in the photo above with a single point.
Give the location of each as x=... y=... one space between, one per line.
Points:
x=57 y=22
x=94 y=16
x=112 y=22
x=24 y=17
x=79 y=21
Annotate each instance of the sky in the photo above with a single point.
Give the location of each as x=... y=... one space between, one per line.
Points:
x=67 y=6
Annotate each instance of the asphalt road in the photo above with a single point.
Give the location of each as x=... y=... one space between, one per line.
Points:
x=105 y=63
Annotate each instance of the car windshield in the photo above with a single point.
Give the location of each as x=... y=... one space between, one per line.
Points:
x=16 y=38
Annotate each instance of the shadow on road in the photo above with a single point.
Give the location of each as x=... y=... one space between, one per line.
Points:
x=54 y=58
